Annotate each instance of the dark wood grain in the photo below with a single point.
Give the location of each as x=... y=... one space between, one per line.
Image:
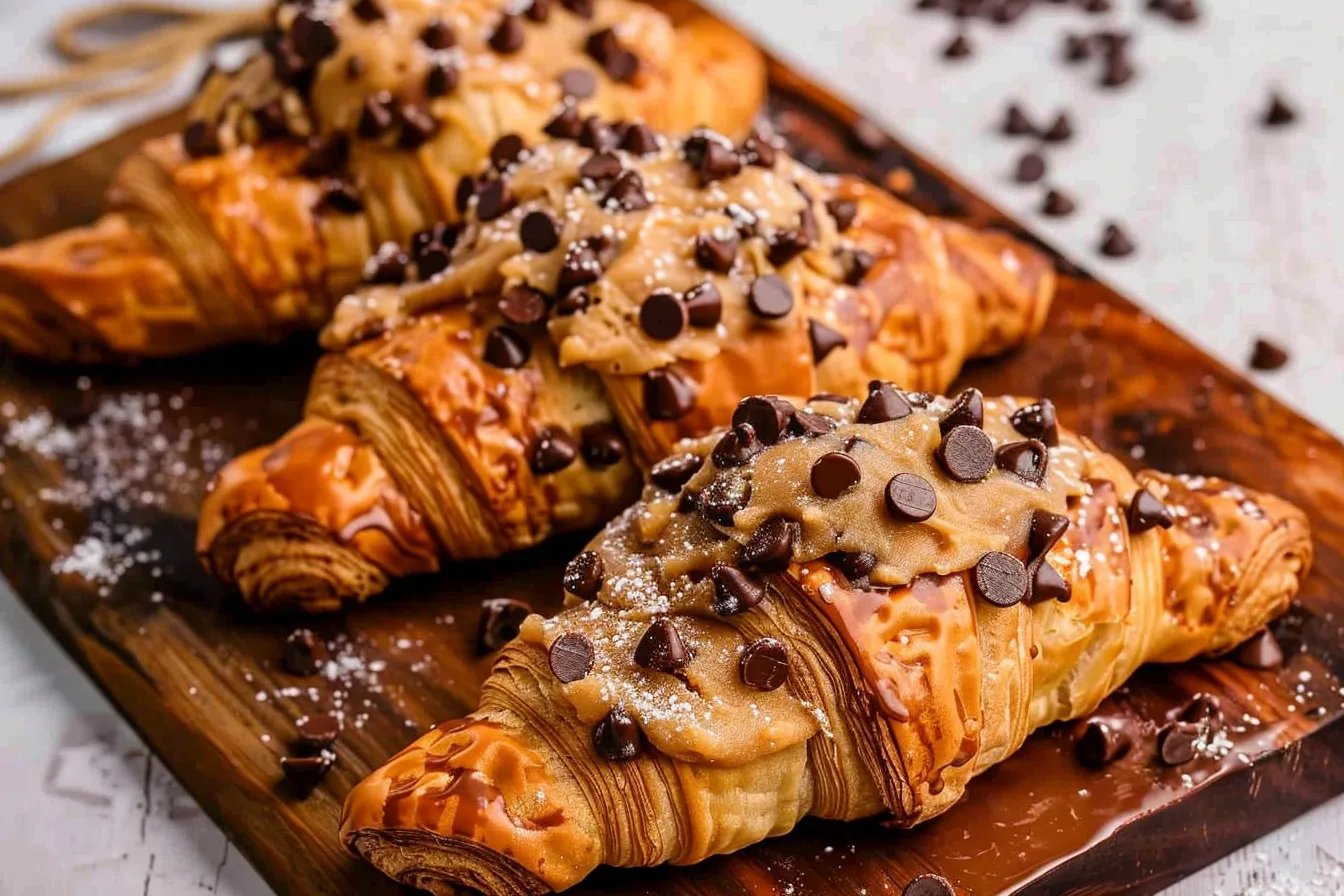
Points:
x=199 y=676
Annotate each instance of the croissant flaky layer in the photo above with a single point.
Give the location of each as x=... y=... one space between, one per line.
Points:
x=847 y=619
x=354 y=126
x=607 y=295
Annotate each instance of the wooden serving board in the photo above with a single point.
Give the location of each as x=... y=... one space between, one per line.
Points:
x=123 y=455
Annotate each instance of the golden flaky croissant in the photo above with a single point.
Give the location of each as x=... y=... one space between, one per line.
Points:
x=354 y=126
x=853 y=618
x=599 y=304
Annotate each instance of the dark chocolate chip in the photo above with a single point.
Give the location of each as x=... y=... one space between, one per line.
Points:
x=538 y=11
x=966 y=454
x=718 y=162
x=1077 y=48
x=627 y=193
x=1026 y=460
x=376 y=117
x=771 y=545
x=734 y=591
x=601 y=445
x=968 y=409
x=571 y=657
x=1260 y=651
x=304 y=654
x=493 y=200
x=466 y=189
x=437 y=35
x=430 y=260
x=737 y=446
x=578 y=83
x=573 y=302
x=1037 y=421
x=1057 y=204
x=1279 y=113
x=1060 y=131
x=1115 y=243
x=661 y=648
x=1267 y=355
x=271 y=120
x=1007 y=12
x=1046 y=529
x=582 y=265
x=770 y=297
x=1204 y=709
x=764 y=664
x=553 y=451
x=581 y=8
x=417 y=127
x=854 y=564
x=508 y=35
x=786 y=245
x=343 y=197
x=639 y=139
x=910 y=498
x=724 y=497
x=616 y=737
x=758 y=152
x=844 y=211
x=1176 y=742
x=834 y=474
x=368 y=10
x=501 y=618
x=668 y=394
x=1182 y=11
x=600 y=166
x=928 y=885
x=304 y=772
x=1016 y=123
x=1146 y=511
x=809 y=425
x=506 y=151
x=884 y=403
x=768 y=415
x=313 y=37
x=959 y=47
x=716 y=253
x=1030 y=168
x=595 y=134
x=1095 y=7
x=857 y=263
x=704 y=305
x=1103 y=741
x=1117 y=71
x=387 y=265
x=327 y=156
x=744 y=220
x=1047 y=584
x=584 y=574
x=999 y=578
x=506 y=348
x=539 y=232
x=824 y=340
x=566 y=125
x=671 y=473
x=662 y=316
x=316 y=733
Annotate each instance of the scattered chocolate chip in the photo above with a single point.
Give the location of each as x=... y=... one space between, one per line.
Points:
x=437 y=35
x=661 y=648
x=313 y=37
x=493 y=200
x=737 y=446
x=1077 y=48
x=1046 y=529
x=809 y=425
x=600 y=166
x=506 y=348
x=573 y=302
x=304 y=772
x=668 y=394
x=724 y=497
x=910 y=498
x=768 y=415
x=771 y=545
x=501 y=618
x=770 y=297
x=618 y=62
x=966 y=454
x=578 y=83
x=508 y=35
x=704 y=305
x=717 y=162
x=581 y=8
x=716 y=253
x=1145 y=512
x=1095 y=7
x=304 y=654
x=844 y=211
x=662 y=316
x=316 y=733
x=538 y=11
x=1057 y=204
x=1117 y=71
x=959 y=47
x=431 y=259
x=387 y=265
x=856 y=263
x=271 y=120
x=1026 y=460
x=201 y=139
x=1279 y=113
x=884 y=403
x=506 y=151
x=867 y=137
x=584 y=574
x=466 y=189
x=854 y=564
x=1115 y=243
x=342 y=197
x=571 y=657
x=999 y=578
x=1267 y=355
x=1176 y=742
x=785 y=245
x=566 y=125
x=368 y=10
x=639 y=139
x=601 y=445
x=616 y=737
x=734 y=591
x=834 y=474
x=824 y=340
x=671 y=473
x=376 y=117
x=1103 y=741
x=1260 y=651
x=539 y=232
x=553 y=451
x=967 y=410
x=1016 y=123
x=1060 y=131
x=928 y=885
x=596 y=135
x=417 y=127
x=1204 y=709
x=764 y=664
x=1008 y=11
x=1030 y=168
x=1047 y=584
x=1037 y=421
x=758 y=151
x=583 y=263
x=1183 y=11
x=627 y=193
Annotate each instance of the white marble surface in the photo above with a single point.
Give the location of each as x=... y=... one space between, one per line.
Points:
x=1238 y=229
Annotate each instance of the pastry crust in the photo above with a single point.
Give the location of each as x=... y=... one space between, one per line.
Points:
x=516 y=392
x=904 y=679
x=242 y=240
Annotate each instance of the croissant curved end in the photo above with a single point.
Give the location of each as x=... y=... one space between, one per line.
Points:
x=470 y=807
x=720 y=81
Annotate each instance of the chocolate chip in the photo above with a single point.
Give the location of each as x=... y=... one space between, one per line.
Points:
x=290 y=67
x=1118 y=70
x=601 y=445
x=501 y=618
x=1037 y=421
x=786 y=245
x=627 y=193
x=724 y=497
x=387 y=265
x=662 y=316
x=928 y=885
x=1279 y=113
x=582 y=265
x=1077 y=48
x=507 y=37
x=570 y=657
x=600 y=166
x=716 y=253
x=616 y=737
x=759 y=152
x=1267 y=355
x=668 y=394
x=368 y=10
x=1115 y=243
x=999 y=578
x=304 y=772
x=304 y=653
x=967 y=410
x=327 y=156
x=437 y=35
x=1047 y=584
x=201 y=139
x=809 y=425
x=313 y=37
x=671 y=473
x=1146 y=511
x=1095 y=7
x=771 y=545
x=1046 y=529
x=417 y=127
x=431 y=259
x=718 y=162
x=844 y=211
x=466 y=189
x=539 y=232
x=595 y=134
x=506 y=348
x=764 y=664
x=1260 y=651
x=1026 y=460
x=578 y=83
x=744 y=220
x=1008 y=11
x=959 y=47
x=639 y=139
x=581 y=8
x=506 y=151
x=768 y=415
x=770 y=297
x=493 y=200
x=316 y=733
x=618 y=62
x=376 y=116
x=834 y=473
x=1030 y=168
x=854 y=564
x=734 y=591
x=584 y=574
x=538 y=11
x=856 y=263
x=1182 y=11
x=910 y=498
x=661 y=648
x=1016 y=123
x=1057 y=204
x=884 y=403
x=566 y=125
x=1204 y=709
x=824 y=340
x=1176 y=743
x=966 y=454
x=573 y=302
x=737 y=446
x=271 y=120
x=553 y=451
x=342 y=197
x=1103 y=741
x=1060 y=131
x=704 y=305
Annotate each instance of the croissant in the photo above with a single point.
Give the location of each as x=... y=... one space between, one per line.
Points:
x=853 y=616
x=606 y=297
x=354 y=126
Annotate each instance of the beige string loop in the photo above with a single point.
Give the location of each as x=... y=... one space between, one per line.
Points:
x=140 y=63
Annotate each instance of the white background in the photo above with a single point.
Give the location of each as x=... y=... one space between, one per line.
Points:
x=1238 y=232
